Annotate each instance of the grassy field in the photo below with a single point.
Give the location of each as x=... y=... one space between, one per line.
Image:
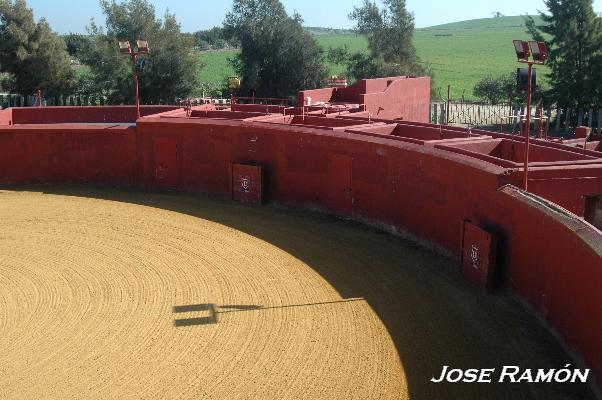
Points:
x=460 y=53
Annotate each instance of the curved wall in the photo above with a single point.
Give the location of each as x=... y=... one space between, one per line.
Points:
x=549 y=257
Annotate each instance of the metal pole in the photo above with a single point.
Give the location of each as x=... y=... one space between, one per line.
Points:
x=448 y=101
x=39 y=98
x=136 y=82
x=528 y=128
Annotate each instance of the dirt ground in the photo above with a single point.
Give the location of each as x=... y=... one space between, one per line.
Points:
x=122 y=295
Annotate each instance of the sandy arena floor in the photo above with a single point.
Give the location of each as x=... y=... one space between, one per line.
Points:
x=119 y=295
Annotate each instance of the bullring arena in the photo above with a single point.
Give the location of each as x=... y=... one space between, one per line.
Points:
x=126 y=270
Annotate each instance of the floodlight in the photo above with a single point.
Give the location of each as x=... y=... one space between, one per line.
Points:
x=124 y=47
x=538 y=51
x=142 y=46
x=522 y=49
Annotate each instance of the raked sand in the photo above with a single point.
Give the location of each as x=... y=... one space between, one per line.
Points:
x=127 y=295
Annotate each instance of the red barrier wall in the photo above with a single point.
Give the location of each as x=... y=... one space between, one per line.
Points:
x=88 y=114
x=400 y=97
x=407 y=99
x=6 y=116
x=61 y=154
x=553 y=260
x=548 y=257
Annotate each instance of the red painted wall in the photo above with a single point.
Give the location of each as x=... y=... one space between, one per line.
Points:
x=88 y=114
x=77 y=154
x=553 y=261
x=399 y=97
x=548 y=257
x=406 y=99
x=6 y=116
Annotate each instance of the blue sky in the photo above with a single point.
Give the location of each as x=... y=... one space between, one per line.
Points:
x=73 y=16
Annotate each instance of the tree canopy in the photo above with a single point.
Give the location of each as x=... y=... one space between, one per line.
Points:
x=389 y=31
x=171 y=69
x=31 y=53
x=277 y=56
x=572 y=32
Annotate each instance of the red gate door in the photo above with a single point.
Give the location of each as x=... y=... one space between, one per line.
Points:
x=340 y=195
x=166 y=162
x=478 y=255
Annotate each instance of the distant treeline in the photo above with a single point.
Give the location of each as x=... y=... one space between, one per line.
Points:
x=314 y=30
x=208 y=39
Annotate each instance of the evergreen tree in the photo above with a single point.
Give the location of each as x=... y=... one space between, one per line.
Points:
x=31 y=53
x=278 y=57
x=572 y=33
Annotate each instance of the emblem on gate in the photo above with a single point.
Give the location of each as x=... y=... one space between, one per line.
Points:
x=245 y=184
x=474 y=256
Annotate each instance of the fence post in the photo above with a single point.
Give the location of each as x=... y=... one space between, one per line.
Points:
x=589 y=118
x=443 y=116
x=580 y=117
x=599 y=119
x=430 y=112
x=436 y=114
x=567 y=121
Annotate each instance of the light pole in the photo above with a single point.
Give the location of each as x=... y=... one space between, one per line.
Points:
x=141 y=48
x=539 y=53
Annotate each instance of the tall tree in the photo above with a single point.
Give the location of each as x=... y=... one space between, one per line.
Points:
x=171 y=69
x=33 y=55
x=389 y=31
x=278 y=57
x=572 y=32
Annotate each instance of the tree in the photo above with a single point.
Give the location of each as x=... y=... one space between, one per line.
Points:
x=389 y=32
x=338 y=55
x=495 y=89
x=76 y=44
x=213 y=38
x=277 y=57
x=498 y=89
x=31 y=53
x=171 y=69
x=572 y=32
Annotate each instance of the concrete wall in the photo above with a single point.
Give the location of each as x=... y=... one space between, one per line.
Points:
x=403 y=98
x=87 y=114
x=406 y=99
x=549 y=257
x=76 y=154
x=6 y=116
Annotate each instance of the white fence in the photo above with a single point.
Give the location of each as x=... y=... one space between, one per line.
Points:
x=474 y=114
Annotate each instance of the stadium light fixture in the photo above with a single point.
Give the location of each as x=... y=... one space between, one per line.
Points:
x=125 y=48
x=142 y=47
x=522 y=50
x=539 y=54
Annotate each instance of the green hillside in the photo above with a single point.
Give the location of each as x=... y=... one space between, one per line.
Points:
x=460 y=53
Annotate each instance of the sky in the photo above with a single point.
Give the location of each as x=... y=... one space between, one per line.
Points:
x=73 y=16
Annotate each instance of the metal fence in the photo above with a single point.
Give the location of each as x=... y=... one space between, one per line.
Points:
x=475 y=114
x=13 y=100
